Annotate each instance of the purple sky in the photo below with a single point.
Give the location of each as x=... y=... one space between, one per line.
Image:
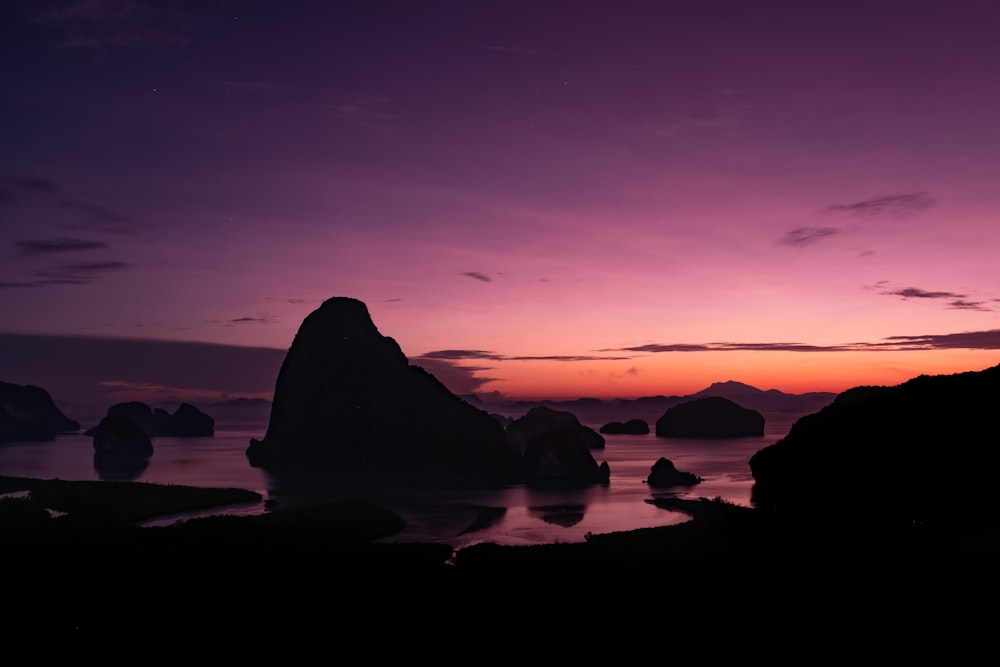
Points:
x=537 y=198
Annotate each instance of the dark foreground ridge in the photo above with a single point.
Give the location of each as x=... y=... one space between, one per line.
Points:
x=926 y=451
x=93 y=572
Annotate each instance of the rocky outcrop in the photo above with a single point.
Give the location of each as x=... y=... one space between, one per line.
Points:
x=29 y=413
x=346 y=397
x=710 y=417
x=630 y=427
x=121 y=437
x=557 y=449
x=923 y=452
x=664 y=474
x=541 y=419
x=186 y=421
x=560 y=459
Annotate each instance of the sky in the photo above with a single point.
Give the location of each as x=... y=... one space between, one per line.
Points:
x=541 y=199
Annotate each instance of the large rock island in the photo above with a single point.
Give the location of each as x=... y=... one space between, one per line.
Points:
x=923 y=452
x=346 y=397
x=710 y=417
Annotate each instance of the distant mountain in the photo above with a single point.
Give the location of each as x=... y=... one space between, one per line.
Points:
x=650 y=408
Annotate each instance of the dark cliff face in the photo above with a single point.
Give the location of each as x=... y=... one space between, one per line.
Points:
x=925 y=451
x=347 y=397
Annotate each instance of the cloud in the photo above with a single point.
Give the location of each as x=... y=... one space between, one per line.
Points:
x=31 y=186
x=968 y=340
x=461 y=355
x=701 y=114
x=803 y=236
x=955 y=301
x=373 y=112
x=960 y=304
x=35 y=247
x=70 y=212
x=77 y=274
x=895 y=205
x=101 y=24
x=94 y=216
x=457 y=378
x=478 y=276
x=263 y=318
x=916 y=293
x=513 y=48
x=458 y=355
x=728 y=347
x=971 y=340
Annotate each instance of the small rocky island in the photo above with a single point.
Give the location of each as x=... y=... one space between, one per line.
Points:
x=664 y=475
x=630 y=427
x=710 y=417
x=186 y=421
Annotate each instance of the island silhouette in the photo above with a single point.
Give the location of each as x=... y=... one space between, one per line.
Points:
x=853 y=503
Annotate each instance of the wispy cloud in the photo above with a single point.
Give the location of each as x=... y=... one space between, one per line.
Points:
x=803 y=236
x=961 y=304
x=461 y=355
x=373 y=112
x=512 y=48
x=77 y=274
x=478 y=276
x=954 y=300
x=970 y=340
x=262 y=318
x=460 y=379
x=34 y=247
x=895 y=205
x=917 y=293
x=715 y=111
x=64 y=209
x=101 y=24
x=82 y=273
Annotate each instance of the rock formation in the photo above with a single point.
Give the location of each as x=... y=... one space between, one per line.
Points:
x=186 y=421
x=121 y=437
x=29 y=413
x=541 y=419
x=346 y=397
x=560 y=459
x=923 y=452
x=557 y=449
x=710 y=417
x=665 y=474
x=631 y=427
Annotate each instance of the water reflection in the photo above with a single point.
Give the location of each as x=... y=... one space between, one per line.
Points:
x=111 y=467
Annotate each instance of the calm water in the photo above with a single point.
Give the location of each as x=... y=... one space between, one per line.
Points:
x=518 y=515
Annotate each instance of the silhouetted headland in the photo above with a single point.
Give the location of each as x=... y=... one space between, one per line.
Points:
x=922 y=452
x=28 y=412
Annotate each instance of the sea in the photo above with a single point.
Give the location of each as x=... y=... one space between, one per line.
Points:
x=515 y=515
